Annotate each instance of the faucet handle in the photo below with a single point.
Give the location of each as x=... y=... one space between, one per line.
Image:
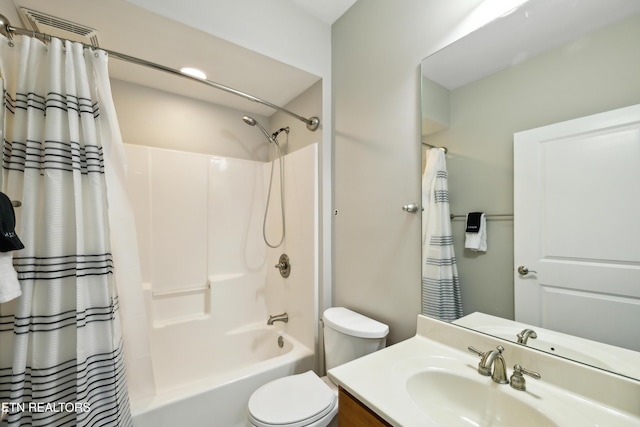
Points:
x=517 y=379
x=472 y=349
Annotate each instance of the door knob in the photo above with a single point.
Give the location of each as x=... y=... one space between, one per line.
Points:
x=413 y=207
x=523 y=271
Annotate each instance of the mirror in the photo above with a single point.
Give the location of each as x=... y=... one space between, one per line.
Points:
x=557 y=45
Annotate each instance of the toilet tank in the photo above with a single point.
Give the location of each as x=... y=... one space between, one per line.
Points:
x=349 y=335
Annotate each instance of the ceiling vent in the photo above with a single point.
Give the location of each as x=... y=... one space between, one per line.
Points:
x=57 y=27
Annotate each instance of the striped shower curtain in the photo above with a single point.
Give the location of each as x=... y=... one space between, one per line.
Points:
x=440 y=283
x=61 y=348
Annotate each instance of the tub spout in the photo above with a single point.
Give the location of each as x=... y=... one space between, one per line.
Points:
x=284 y=317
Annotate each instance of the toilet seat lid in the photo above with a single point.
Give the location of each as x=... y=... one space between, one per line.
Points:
x=293 y=401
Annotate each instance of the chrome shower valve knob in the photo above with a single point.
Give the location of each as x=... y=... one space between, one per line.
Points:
x=284 y=266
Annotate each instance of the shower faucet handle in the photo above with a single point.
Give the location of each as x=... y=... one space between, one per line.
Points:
x=284 y=266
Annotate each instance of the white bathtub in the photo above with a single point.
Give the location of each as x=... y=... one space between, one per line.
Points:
x=218 y=398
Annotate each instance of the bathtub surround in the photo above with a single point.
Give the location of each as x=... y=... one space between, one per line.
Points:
x=210 y=288
x=153 y=118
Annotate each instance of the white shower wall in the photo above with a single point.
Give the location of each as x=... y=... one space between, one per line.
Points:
x=203 y=259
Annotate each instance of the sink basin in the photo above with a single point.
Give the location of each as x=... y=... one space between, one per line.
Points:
x=453 y=400
x=431 y=380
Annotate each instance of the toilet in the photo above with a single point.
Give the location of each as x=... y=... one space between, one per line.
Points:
x=306 y=399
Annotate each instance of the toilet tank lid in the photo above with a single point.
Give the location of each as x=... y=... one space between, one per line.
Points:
x=354 y=324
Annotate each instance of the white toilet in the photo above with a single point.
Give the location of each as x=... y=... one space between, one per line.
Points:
x=306 y=399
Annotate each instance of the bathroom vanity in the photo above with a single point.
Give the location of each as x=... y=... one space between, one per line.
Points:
x=433 y=379
x=353 y=413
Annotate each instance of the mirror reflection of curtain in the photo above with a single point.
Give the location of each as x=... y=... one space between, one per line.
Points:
x=440 y=283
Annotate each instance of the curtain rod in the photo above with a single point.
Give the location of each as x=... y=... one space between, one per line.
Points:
x=7 y=30
x=435 y=146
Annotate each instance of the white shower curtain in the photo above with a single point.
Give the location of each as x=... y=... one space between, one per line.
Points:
x=440 y=283
x=61 y=352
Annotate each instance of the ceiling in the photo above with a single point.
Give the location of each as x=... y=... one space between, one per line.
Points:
x=328 y=11
x=129 y=29
x=536 y=27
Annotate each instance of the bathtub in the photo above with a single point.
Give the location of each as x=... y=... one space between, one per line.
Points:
x=245 y=359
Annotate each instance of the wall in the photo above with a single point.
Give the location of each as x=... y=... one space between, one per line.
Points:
x=377 y=47
x=164 y=120
x=308 y=104
x=594 y=74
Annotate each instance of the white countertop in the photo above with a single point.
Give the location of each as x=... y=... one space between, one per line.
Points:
x=379 y=380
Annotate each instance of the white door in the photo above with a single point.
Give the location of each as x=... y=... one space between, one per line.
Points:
x=577 y=227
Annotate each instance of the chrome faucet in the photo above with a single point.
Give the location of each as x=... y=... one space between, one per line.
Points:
x=284 y=317
x=492 y=359
x=525 y=335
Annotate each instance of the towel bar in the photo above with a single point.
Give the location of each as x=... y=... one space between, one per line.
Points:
x=452 y=216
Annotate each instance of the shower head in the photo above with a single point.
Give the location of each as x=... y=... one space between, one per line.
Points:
x=249 y=120
x=253 y=122
x=276 y=133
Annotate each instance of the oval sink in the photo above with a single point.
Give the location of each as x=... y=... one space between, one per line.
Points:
x=453 y=400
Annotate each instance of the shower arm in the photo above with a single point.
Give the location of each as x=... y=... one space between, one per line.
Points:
x=7 y=30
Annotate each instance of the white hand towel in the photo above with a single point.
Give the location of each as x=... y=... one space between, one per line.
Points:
x=9 y=284
x=477 y=241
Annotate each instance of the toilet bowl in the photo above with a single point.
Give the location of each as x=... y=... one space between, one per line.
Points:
x=294 y=401
x=306 y=400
